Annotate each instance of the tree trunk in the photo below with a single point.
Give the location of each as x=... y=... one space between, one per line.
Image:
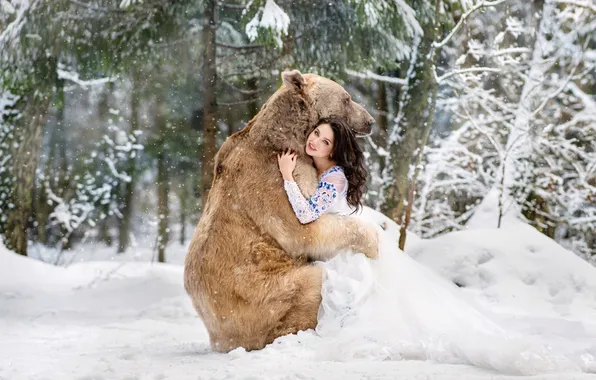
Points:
x=183 y=213
x=519 y=140
x=126 y=206
x=417 y=168
x=26 y=156
x=414 y=123
x=42 y=209
x=162 y=182
x=102 y=111
x=253 y=105
x=42 y=212
x=209 y=146
x=382 y=120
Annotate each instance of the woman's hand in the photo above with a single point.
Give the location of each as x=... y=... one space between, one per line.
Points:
x=287 y=163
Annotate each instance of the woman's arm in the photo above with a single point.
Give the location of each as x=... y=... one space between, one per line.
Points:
x=308 y=210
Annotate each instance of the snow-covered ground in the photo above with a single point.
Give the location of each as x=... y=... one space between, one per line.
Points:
x=109 y=316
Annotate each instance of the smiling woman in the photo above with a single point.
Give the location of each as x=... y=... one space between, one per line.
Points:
x=340 y=167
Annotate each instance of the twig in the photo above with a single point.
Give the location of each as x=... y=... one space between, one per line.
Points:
x=518 y=50
x=485 y=133
x=483 y=4
x=565 y=83
x=370 y=75
x=587 y=4
x=231 y=6
x=96 y=8
x=220 y=104
x=462 y=71
x=245 y=92
x=240 y=47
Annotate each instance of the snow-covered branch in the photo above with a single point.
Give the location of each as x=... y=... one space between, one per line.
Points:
x=100 y=9
x=11 y=32
x=563 y=85
x=74 y=77
x=462 y=20
x=469 y=70
x=582 y=4
x=370 y=75
x=516 y=50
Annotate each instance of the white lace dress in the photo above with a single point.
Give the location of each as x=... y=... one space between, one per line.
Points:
x=395 y=308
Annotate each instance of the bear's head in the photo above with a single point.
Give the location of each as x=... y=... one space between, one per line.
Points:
x=294 y=109
x=329 y=99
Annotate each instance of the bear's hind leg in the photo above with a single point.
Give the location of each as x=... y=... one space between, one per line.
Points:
x=303 y=313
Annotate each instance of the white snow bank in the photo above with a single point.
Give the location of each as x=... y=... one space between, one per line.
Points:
x=390 y=227
x=119 y=319
x=515 y=268
x=22 y=275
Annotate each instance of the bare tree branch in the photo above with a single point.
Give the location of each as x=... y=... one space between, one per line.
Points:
x=370 y=75
x=232 y=6
x=462 y=20
x=470 y=70
x=240 y=47
x=582 y=4
x=96 y=8
x=564 y=84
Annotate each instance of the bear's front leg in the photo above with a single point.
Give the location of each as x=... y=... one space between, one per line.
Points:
x=327 y=236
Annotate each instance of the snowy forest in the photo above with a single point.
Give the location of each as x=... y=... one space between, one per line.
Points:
x=111 y=112
x=474 y=257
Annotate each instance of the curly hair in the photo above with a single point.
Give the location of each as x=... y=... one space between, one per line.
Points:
x=347 y=154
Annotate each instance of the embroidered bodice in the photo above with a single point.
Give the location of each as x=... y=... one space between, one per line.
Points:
x=330 y=196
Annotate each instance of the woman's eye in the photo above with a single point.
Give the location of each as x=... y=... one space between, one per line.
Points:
x=326 y=143
x=316 y=132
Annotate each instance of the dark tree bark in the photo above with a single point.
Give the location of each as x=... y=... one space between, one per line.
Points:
x=126 y=207
x=416 y=122
x=253 y=105
x=55 y=163
x=209 y=146
x=26 y=157
x=103 y=224
x=183 y=214
x=382 y=120
x=163 y=187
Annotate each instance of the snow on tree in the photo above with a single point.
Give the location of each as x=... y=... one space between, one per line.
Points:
x=7 y=116
x=521 y=97
x=270 y=17
x=95 y=184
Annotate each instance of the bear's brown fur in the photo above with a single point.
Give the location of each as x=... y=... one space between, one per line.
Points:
x=247 y=269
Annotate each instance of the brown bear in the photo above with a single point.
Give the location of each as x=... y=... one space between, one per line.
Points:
x=249 y=267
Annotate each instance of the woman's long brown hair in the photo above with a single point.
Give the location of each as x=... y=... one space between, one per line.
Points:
x=347 y=154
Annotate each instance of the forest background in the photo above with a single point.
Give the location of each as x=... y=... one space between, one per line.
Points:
x=111 y=111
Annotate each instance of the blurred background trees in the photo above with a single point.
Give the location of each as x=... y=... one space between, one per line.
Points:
x=111 y=111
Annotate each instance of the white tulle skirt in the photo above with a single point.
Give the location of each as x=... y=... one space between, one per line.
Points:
x=394 y=308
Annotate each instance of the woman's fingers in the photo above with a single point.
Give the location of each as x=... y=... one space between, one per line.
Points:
x=287 y=153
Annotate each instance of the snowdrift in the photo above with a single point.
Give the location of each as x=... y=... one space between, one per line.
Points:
x=515 y=268
x=134 y=319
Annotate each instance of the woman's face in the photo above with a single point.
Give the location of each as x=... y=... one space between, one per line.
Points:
x=320 y=141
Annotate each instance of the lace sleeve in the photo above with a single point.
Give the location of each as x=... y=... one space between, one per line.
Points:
x=308 y=210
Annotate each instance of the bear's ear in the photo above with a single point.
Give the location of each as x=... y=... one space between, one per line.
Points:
x=293 y=79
